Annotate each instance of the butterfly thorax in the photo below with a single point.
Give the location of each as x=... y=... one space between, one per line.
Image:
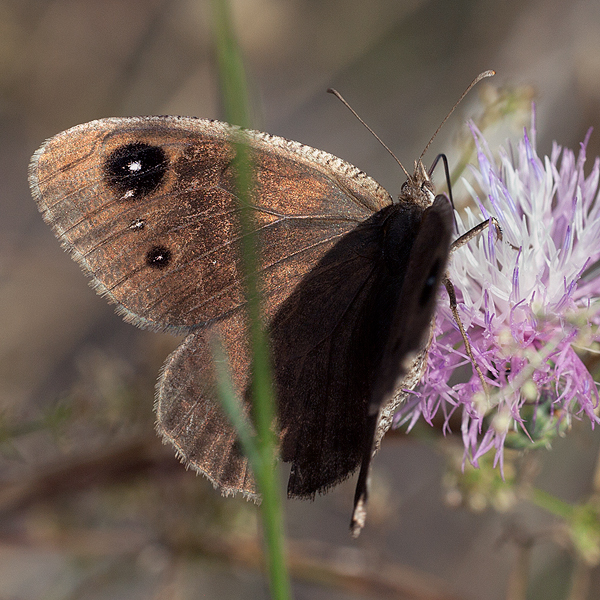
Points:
x=418 y=188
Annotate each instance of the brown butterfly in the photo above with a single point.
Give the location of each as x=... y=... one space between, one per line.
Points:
x=148 y=207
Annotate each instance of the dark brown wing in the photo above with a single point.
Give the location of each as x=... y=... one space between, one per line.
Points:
x=323 y=359
x=330 y=341
x=409 y=327
x=147 y=207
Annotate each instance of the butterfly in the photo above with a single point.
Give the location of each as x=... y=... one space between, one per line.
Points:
x=149 y=208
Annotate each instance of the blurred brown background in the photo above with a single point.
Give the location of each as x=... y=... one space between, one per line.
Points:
x=92 y=505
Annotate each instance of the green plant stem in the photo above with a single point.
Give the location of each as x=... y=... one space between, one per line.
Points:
x=262 y=456
x=552 y=504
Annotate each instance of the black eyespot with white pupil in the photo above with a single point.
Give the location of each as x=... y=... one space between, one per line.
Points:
x=135 y=170
x=158 y=257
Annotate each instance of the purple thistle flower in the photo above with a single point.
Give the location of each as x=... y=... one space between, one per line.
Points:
x=523 y=302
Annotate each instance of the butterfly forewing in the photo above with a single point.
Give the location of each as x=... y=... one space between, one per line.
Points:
x=147 y=206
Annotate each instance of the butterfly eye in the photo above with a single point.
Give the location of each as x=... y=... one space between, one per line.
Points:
x=404 y=187
x=427 y=189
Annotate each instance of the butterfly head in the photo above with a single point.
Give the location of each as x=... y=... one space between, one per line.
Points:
x=418 y=188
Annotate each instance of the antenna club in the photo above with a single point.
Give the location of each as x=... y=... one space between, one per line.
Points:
x=489 y=73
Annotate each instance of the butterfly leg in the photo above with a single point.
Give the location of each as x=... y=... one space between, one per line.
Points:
x=465 y=238
x=458 y=243
x=454 y=308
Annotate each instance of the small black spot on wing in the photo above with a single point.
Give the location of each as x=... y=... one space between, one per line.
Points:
x=158 y=257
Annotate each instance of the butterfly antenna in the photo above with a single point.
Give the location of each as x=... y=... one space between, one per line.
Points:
x=341 y=99
x=471 y=85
